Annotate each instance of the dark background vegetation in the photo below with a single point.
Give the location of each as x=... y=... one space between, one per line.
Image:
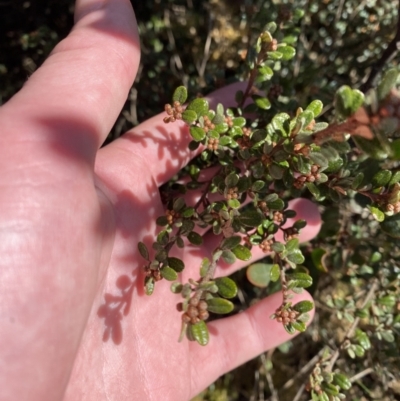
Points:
x=203 y=44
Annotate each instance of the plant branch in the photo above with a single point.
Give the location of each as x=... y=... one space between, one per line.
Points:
x=387 y=57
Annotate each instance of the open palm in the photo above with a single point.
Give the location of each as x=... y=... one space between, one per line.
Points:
x=75 y=323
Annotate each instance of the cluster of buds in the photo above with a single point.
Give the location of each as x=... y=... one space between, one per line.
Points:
x=286 y=316
x=278 y=217
x=174 y=112
x=232 y=193
x=229 y=121
x=290 y=233
x=393 y=208
x=393 y=200
x=266 y=245
x=263 y=206
x=213 y=144
x=266 y=160
x=302 y=149
x=208 y=124
x=269 y=44
x=197 y=310
x=153 y=273
x=171 y=216
x=244 y=142
x=312 y=176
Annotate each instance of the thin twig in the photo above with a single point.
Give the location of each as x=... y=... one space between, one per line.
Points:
x=387 y=57
x=201 y=66
x=360 y=375
x=299 y=392
x=274 y=392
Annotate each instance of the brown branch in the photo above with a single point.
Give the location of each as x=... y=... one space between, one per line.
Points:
x=387 y=57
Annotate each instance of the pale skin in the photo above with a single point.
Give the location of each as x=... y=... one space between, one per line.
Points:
x=71 y=216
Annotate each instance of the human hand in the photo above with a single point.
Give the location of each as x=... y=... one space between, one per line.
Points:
x=76 y=324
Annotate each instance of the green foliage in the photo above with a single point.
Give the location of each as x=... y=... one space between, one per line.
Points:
x=347 y=159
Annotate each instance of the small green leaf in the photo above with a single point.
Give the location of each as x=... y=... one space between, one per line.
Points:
x=199 y=332
x=197 y=133
x=302 y=280
x=162 y=221
x=388 y=81
x=143 y=250
x=288 y=52
x=195 y=238
x=189 y=116
x=250 y=218
x=303 y=306
x=358 y=179
x=241 y=252
x=188 y=212
x=342 y=381
x=205 y=267
x=228 y=256
x=230 y=242
x=372 y=147
x=275 y=272
x=231 y=180
x=299 y=326
x=292 y=245
x=176 y=264
x=176 y=287
x=377 y=213
x=239 y=121
x=220 y=306
x=276 y=171
x=262 y=102
x=234 y=203
x=296 y=257
x=315 y=107
x=168 y=273
x=348 y=101
x=278 y=247
x=226 y=287
x=381 y=178
x=180 y=95
x=275 y=55
x=199 y=105
x=289 y=328
x=277 y=204
x=388 y=300
x=163 y=237
x=259 y=274
x=149 y=285
x=330 y=388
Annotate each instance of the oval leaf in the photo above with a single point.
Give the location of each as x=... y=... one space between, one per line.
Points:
x=195 y=238
x=259 y=274
x=197 y=133
x=219 y=305
x=199 y=332
x=176 y=264
x=180 y=94
x=275 y=272
x=200 y=106
x=231 y=242
x=303 y=306
x=168 y=273
x=226 y=287
x=241 y=252
x=143 y=250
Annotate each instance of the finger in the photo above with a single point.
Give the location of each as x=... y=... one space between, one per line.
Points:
x=80 y=89
x=162 y=148
x=237 y=339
